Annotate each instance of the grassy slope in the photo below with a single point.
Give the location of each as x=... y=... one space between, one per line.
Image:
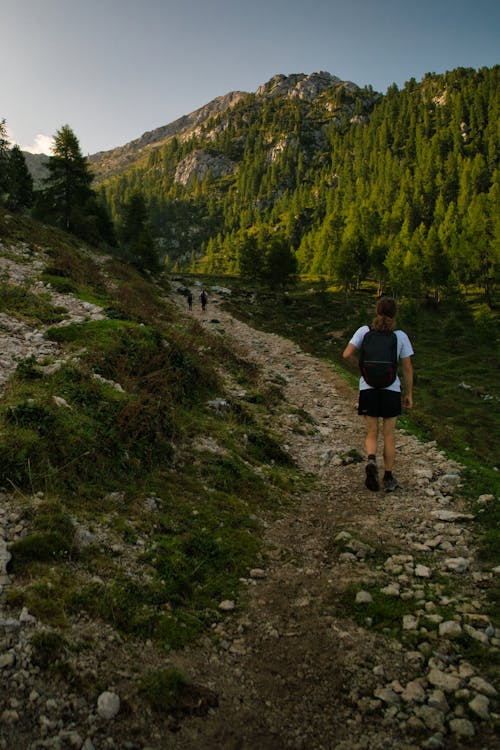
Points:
x=165 y=492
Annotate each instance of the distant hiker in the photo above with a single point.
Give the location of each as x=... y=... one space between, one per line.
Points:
x=203 y=300
x=380 y=348
x=190 y=299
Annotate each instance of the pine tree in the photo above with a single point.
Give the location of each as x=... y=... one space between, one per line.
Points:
x=20 y=183
x=135 y=237
x=68 y=186
x=4 y=162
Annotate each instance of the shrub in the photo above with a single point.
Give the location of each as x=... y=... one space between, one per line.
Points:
x=163 y=689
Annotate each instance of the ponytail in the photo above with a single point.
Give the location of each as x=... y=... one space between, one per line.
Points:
x=385 y=314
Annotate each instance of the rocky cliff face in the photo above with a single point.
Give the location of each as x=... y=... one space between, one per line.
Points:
x=106 y=163
x=199 y=163
x=301 y=86
x=295 y=86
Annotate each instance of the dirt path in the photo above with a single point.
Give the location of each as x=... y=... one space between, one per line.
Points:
x=288 y=670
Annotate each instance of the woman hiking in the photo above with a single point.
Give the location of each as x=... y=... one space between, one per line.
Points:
x=381 y=398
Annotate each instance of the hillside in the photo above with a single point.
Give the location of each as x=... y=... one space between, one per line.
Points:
x=107 y=163
x=394 y=188
x=402 y=188
x=189 y=556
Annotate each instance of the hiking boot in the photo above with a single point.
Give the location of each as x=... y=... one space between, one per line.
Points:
x=391 y=484
x=371 y=480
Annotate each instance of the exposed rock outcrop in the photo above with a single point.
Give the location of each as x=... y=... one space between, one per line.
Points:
x=199 y=164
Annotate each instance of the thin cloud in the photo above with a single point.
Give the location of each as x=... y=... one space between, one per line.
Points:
x=42 y=144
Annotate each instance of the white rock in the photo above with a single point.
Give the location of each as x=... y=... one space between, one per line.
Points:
x=480 y=705
x=61 y=402
x=7 y=660
x=227 y=605
x=437 y=699
x=257 y=573
x=450 y=515
x=444 y=681
x=108 y=705
x=413 y=692
x=457 y=564
x=347 y=557
x=432 y=717
x=422 y=571
x=363 y=597
x=477 y=635
x=391 y=590
x=410 y=622
x=462 y=728
x=450 y=629
x=481 y=686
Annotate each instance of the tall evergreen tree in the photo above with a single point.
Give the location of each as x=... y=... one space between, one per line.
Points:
x=68 y=186
x=4 y=161
x=20 y=187
x=135 y=236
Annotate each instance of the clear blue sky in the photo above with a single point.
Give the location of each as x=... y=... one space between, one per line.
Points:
x=113 y=69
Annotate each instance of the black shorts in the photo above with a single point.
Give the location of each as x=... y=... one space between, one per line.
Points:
x=379 y=402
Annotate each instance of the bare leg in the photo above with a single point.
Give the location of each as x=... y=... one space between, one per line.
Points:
x=389 y=431
x=371 y=435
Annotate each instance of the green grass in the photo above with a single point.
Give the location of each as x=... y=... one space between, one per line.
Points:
x=173 y=564
x=458 y=343
x=22 y=304
x=164 y=689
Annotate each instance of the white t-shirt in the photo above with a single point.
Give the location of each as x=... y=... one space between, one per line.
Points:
x=405 y=349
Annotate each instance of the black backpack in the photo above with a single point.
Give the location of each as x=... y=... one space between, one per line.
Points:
x=378 y=358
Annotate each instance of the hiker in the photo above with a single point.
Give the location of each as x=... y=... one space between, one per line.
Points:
x=203 y=300
x=382 y=399
x=190 y=299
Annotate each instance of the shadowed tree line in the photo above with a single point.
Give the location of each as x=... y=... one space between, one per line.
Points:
x=69 y=201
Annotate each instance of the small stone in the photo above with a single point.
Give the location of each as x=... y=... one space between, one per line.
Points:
x=437 y=699
x=343 y=536
x=257 y=573
x=386 y=695
x=457 y=564
x=347 y=557
x=481 y=686
x=444 y=681
x=302 y=601
x=462 y=728
x=227 y=605
x=450 y=629
x=413 y=692
x=9 y=717
x=449 y=516
x=466 y=670
x=363 y=597
x=422 y=571
x=432 y=717
x=436 y=742
x=7 y=660
x=477 y=635
x=108 y=705
x=391 y=590
x=410 y=622
x=480 y=705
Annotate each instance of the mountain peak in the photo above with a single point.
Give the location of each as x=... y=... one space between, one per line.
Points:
x=302 y=86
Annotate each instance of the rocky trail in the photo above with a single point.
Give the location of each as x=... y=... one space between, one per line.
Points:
x=287 y=667
x=289 y=672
